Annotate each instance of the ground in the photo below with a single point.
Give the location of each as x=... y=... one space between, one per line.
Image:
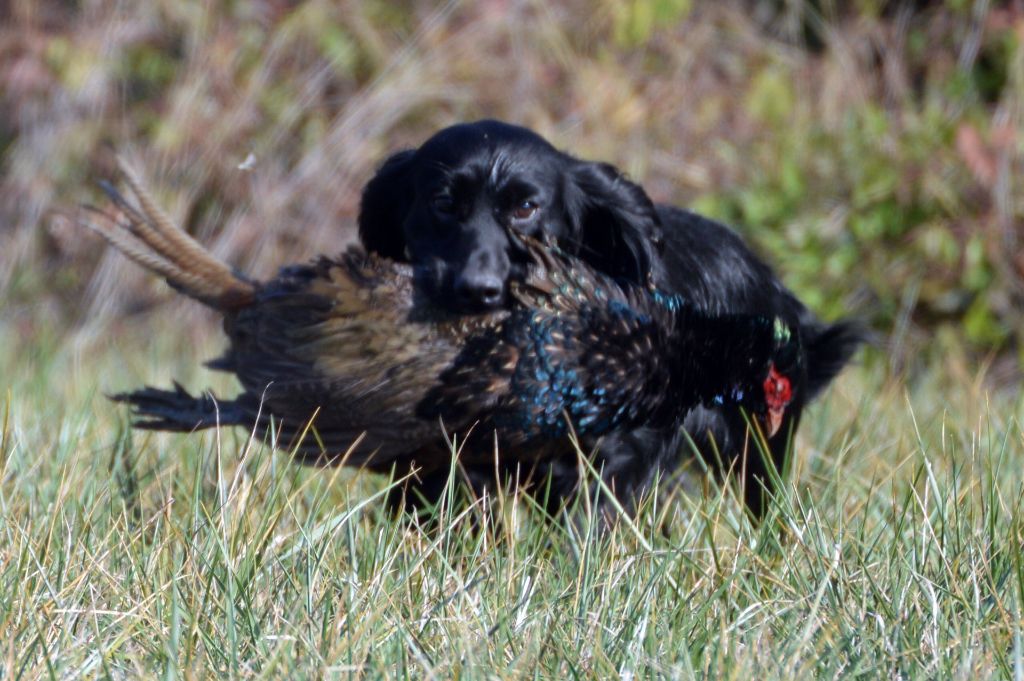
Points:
x=871 y=153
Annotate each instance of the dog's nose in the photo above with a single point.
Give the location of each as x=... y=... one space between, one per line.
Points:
x=480 y=289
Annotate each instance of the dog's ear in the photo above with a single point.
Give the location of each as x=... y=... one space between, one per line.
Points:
x=615 y=224
x=386 y=202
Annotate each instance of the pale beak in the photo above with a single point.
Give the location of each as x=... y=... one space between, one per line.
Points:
x=773 y=421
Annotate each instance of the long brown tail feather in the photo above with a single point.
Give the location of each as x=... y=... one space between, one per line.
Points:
x=151 y=239
x=114 y=232
x=181 y=247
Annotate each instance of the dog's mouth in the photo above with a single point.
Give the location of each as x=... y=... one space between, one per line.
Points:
x=435 y=281
x=496 y=301
x=470 y=307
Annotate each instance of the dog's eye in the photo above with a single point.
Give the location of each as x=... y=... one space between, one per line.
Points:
x=524 y=211
x=444 y=205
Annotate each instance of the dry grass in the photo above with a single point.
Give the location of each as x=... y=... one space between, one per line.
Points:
x=880 y=173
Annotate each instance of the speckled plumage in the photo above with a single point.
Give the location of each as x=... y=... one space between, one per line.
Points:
x=348 y=345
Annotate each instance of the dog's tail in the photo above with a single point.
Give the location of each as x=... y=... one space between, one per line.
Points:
x=148 y=236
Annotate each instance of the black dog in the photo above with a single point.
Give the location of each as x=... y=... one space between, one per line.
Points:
x=451 y=203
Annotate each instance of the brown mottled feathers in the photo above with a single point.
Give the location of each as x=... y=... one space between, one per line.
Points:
x=350 y=346
x=151 y=239
x=336 y=336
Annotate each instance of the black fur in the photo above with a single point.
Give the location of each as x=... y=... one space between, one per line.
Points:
x=450 y=204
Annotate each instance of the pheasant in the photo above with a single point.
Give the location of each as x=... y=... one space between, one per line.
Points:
x=344 y=360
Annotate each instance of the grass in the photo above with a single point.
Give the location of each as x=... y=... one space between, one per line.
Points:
x=870 y=152
x=894 y=550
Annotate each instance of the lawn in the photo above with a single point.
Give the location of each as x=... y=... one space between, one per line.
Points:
x=871 y=153
x=894 y=549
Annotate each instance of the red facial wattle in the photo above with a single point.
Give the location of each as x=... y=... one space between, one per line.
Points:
x=777 y=393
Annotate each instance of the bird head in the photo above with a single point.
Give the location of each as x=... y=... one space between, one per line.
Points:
x=780 y=384
x=772 y=379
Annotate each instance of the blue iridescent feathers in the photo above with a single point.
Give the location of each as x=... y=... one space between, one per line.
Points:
x=344 y=361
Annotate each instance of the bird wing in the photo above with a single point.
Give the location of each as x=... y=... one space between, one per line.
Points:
x=578 y=345
x=348 y=339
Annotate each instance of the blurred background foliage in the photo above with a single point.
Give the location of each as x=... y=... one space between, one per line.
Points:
x=871 y=150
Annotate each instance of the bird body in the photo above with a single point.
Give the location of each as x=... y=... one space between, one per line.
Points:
x=349 y=349
x=455 y=203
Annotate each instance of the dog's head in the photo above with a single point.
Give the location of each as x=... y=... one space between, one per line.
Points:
x=455 y=205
